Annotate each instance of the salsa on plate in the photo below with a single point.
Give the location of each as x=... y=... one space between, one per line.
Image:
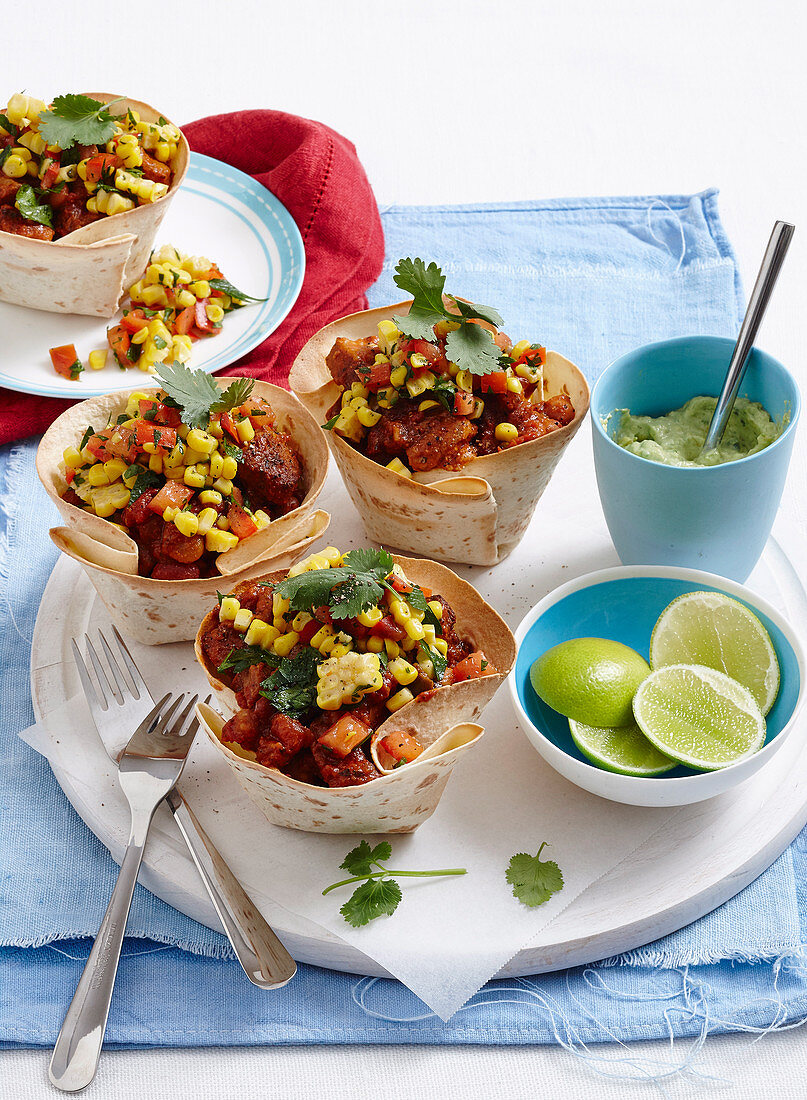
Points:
x=320 y=659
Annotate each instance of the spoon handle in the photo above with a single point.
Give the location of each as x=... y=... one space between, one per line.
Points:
x=760 y=296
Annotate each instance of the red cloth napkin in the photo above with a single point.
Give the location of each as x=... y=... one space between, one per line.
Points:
x=316 y=174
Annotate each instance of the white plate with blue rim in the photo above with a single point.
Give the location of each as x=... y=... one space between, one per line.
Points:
x=218 y=212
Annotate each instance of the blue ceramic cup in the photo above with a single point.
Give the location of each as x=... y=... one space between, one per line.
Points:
x=716 y=518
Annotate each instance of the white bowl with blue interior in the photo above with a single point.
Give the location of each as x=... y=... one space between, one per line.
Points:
x=623 y=604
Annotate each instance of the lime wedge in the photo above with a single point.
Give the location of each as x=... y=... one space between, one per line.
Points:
x=592 y=680
x=699 y=716
x=622 y=749
x=708 y=628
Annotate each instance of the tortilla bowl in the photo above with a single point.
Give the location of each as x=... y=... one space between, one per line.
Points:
x=87 y=271
x=157 y=611
x=477 y=515
x=443 y=721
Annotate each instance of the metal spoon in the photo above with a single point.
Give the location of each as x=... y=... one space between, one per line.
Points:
x=760 y=296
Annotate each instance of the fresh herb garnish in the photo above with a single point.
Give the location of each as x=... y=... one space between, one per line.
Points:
x=347 y=589
x=197 y=395
x=330 y=423
x=159 y=342
x=445 y=391
x=239 y=660
x=534 y=880
x=28 y=207
x=9 y=127
x=470 y=346
x=379 y=895
x=146 y=479
x=133 y=352
x=437 y=659
x=418 y=600
x=122 y=418
x=76 y=120
x=85 y=439
x=75 y=370
x=238 y=296
x=292 y=688
x=233 y=451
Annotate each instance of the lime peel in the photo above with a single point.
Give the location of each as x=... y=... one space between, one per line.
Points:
x=621 y=749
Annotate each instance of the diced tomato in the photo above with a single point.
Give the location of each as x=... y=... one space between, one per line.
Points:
x=51 y=172
x=503 y=341
x=430 y=352
x=343 y=737
x=534 y=356
x=472 y=667
x=119 y=341
x=388 y=628
x=122 y=444
x=69 y=474
x=174 y=494
x=104 y=162
x=309 y=630
x=97 y=445
x=401 y=586
x=65 y=361
x=260 y=413
x=163 y=414
x=148 y=431
x=241 y=523
x=377 y=375
x=323 y=614
x=133 y=322
x=427 y=592
x=401 y=746
x=226 y=422
x=200 y=318
x=463 y=403
x=495 y=382
x=184 y=321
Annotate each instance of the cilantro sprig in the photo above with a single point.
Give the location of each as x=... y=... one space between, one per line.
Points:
x=197 y=395
x=469 y=345
x=28 y=207
x=239 y=298
x=534 y=880
x=379 y=895
x=241 y=658
x=346 y=589
x=76 y=120
x=292 y=688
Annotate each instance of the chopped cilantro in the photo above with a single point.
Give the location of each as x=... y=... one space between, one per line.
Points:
x=30 y=209
x=240 y=659
x=418 y=600
x=146 y=479
x=238 y=296
x=85 y=439
x=292 y=688
x=233 y=451
x=75 y=370
x=76 y=120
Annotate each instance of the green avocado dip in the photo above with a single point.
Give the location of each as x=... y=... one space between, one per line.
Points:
x=676 y=438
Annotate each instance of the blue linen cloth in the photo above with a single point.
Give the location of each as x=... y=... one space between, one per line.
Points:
x=594 y=278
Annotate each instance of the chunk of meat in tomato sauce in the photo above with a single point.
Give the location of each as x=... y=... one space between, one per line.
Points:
x=72 y=215
x=442 y=442
x=283 y=740
x=246 y=727
x=344 y=771
x=303 y=768
x=12 y=222
x=560 y=408
x=218 y=643
x=248 y=685
x=270 y=471
x=395 y=431
x=531 y=421
x=346 y=355
x=178 y=547
x=155 y=170
x=8 y=190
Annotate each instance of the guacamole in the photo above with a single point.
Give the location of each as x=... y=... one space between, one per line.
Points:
x=676 y=438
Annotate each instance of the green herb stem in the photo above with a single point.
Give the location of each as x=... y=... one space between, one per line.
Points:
x=403 y=874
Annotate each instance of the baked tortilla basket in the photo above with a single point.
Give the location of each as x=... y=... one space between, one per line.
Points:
x=476 y=516
x=87 y=271
x=157 y=611
x=443 y=721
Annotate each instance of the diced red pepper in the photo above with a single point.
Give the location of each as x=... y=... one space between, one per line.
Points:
x=401 y=746
x=388 y=628
x=309 y=630
x=183 y=322
x=495 y=382
x=201 y=319
x=133 y=322
x=69 y=474
x=119 y=341
x=463 y=403
x=241 y=523
x=472 y=667
x=343 y=737
x=401 y=586
x=65 y=361
x=227 y=423
x=51 y=172
x=101 y=163
x=174 y=494
x=148 y=431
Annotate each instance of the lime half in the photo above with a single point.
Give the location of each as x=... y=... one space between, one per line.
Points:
x=708 y=628
x=622 y=749
x=592 y=680
x=699 y=716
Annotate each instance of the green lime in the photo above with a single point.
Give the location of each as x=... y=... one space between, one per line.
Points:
x=592 y=680
x=708 y=628
x=699 y=716
x=623 y=749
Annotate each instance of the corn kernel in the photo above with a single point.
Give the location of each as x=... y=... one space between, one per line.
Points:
x=206 y=520
x=325 y=633
x=402 y=671
x=518 y=349
x=219 y=542
x=223 y=523
x=261 y=518
x=441 y=645
x=401 y=611
x=392 y=649
x=388 y=333
x=280 y=606
x=418 y=361
x=414 y=630
x=399 y=699
x=187 y=523
x=223 y=486
x=270 y=636
x=229 y=468
x=331 y=555
x=386 y=397
x=216 y=463
x=200 y=289
x=465 y=380
x=185 y=299
x=115 y=468
x=97 y=475
x=14 y=167
x=417 y=386
x=242 y=619
x=398 y=467
x=301 y=619
x=156 y=464
x=214 y=312
x=72 y=457
x=429 y=634
x=257 y=632
x=371 y=616
x=398 y=377
x=210 y=496
x=375 y=644
x=201 y=441
x=368 y=418
x=528 y=373
x=283 y=645
x=506 y=433
x=213 y=427
x=514 y=384
x=246 y=433
x=424 y=405
x=97 y=359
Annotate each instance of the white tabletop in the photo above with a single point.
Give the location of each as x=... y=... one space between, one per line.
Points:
x=463 y=101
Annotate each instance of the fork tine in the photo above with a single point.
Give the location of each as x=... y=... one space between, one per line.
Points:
x=152 y=718
x=86 y=680
x=120 y=677
x=100 y=673
x=185 y=720
x=135 y=674
x=168 y=715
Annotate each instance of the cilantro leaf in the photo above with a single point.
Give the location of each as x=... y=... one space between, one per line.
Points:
x=472 y=348
x=374 y=898
x=232 y=451
x=482 y=313
x=437 y=659
x=76 y=120
x=197 y=395
x=418 y=600
x=9 y=127
x=418 y=324
x=76 y=369
x=330 y=423
x=534 y=880
x=359 y=860
x=346 y=590
x=425 y=284
x=240 y=659
x=146 y=479
x=85 y=439
x=238 y=296
x=28 y=207
x=235 y=394
x=292 y=688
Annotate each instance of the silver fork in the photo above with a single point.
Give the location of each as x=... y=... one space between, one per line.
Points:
x=149 y=767
x=265 y=960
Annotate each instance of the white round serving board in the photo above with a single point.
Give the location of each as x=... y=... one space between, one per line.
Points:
x=218 y=212
x=707 y=855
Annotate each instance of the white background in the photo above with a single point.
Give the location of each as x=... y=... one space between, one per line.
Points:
x=458 y=102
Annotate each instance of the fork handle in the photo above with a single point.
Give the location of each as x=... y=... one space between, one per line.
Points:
x=75 y=1056
x=265 y=960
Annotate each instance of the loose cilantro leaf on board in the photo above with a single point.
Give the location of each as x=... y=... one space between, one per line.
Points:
x=76 y=120
x=197 y=395
x=238 y=296
x=347 y=589
x=240 y=659
x=292 y=688
x=379 y=895
x=146 y=479
x=375 y=898
x=469 y=346
x=29 y=208
x=534 y=880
